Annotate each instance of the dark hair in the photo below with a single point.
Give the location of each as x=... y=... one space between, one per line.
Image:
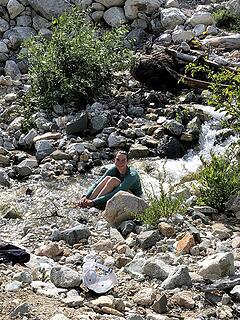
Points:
x=121 y=152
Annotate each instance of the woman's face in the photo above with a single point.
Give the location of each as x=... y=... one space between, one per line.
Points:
x=121 y=161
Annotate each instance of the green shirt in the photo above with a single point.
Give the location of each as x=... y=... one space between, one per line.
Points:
x=129 y=181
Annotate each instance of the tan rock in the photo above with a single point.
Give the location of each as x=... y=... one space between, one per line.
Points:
x=184 y=299
x=103 y=245
x=49 y=250
x=166 y=229
x=112 y=311
x=104 y=301
x=185 y=244
x=145 y=297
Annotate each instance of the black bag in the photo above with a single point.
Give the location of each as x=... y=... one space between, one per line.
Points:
x=13 y=254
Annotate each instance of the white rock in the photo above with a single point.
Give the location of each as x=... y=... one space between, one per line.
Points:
x=172 y=17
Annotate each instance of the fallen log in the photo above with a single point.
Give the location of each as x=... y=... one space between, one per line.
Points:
x=191 y=82
x=192 y=58
x=227 y=42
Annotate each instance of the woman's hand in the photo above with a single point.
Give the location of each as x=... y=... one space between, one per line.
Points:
x=84 y=203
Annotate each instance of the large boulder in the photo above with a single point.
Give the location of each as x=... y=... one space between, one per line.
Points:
x=201 y=17
x=123 y=206
x=50 y=8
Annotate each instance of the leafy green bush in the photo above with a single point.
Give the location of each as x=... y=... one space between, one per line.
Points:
x=224 y=90
x=77 y=63
x=163 y=205
x=227 y=20
x=219 y=179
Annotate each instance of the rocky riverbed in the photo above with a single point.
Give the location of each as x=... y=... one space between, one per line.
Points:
x=185 y=268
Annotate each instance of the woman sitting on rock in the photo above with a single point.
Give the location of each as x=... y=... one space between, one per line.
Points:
x=120 y=177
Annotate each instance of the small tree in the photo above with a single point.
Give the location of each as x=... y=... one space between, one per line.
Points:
x=77 y=63
x=224 y=90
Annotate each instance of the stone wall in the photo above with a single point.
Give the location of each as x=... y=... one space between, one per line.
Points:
x=19 y=19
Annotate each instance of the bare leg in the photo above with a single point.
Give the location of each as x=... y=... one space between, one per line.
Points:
x=111 y=184
x=99 y=188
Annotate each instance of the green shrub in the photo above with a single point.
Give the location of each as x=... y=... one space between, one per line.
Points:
x=78 y=62
x=219 y=179
x=227 y=20
x=224 y=90
x=163 y=205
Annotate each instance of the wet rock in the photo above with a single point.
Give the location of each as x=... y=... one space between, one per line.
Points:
x=177 y=278
x=147 y=239
x=122 y=206
x=64 y=277
x=217 y=266
x=170 y=147
x=72 y=235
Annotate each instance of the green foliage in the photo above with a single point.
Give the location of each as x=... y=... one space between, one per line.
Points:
x=224 y=90
x=77 y=63
x=219 y=179
x=227 y=20
x=163 y=205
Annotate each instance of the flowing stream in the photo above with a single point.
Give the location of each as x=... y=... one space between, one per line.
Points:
x=176 y=170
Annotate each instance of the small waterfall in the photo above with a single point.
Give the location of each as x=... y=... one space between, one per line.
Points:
x=177 y=169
